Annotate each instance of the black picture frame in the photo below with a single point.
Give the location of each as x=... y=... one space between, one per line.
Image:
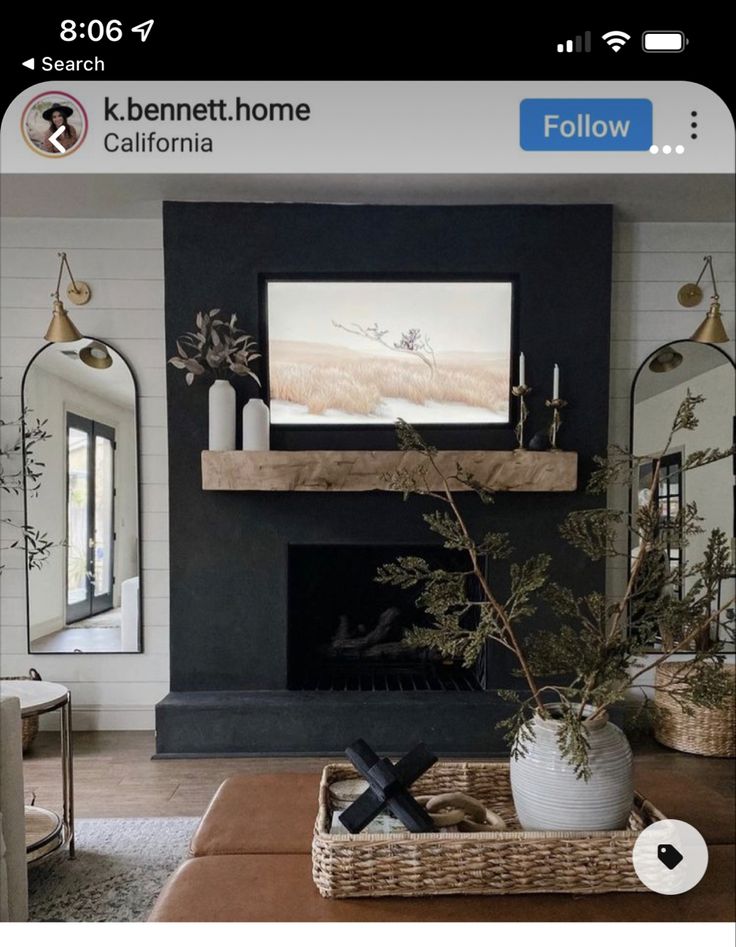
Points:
x=427 y=430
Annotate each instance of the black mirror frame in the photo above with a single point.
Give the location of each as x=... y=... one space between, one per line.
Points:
x=136 y=390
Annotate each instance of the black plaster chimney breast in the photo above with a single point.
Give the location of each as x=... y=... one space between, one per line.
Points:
x=235 y=684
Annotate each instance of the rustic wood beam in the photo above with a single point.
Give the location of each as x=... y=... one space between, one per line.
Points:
x=320 y=471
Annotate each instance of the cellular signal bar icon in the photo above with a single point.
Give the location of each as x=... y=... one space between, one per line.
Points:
x=579 y=45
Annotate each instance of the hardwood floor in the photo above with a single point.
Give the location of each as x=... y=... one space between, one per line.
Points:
x=114 y=775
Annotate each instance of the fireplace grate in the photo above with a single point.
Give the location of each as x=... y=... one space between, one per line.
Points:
x=433 y=677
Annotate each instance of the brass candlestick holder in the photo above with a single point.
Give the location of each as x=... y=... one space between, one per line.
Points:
x=520 y=392
x=557 y=404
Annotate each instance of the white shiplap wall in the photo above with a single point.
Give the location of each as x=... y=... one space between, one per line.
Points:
x=123 y=262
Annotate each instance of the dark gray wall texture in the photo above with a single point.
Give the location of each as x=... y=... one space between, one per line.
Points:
x=229 y=550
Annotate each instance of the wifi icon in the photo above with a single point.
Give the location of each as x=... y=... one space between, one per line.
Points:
x=616 y=39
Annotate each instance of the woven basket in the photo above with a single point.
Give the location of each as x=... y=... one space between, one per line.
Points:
x=29 y=724
x=707 y=732
x=512 y=862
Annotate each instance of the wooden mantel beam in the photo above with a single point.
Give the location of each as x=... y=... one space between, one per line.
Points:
x=320 y=471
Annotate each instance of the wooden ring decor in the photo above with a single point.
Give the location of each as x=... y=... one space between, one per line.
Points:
x=461 y=812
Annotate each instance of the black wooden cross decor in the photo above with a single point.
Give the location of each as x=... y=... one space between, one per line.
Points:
x=388 y=788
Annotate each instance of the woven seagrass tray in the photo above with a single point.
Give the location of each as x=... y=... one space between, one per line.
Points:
x=510 y=862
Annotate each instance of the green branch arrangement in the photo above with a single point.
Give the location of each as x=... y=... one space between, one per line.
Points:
x=20 y=470
x=595 y=651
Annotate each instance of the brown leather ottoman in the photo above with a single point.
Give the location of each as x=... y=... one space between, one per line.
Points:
x=280 y=888
x=252 y=814
x=254 y=864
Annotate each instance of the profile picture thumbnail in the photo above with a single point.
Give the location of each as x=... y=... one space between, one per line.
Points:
x=54 y=124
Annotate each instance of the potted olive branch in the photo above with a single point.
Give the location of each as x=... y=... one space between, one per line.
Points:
x=592 y=651
x=217 y=348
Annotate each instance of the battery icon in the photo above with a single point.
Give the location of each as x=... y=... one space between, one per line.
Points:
x=663 y=41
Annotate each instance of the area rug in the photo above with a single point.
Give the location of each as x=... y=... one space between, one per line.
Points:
x=121 y=866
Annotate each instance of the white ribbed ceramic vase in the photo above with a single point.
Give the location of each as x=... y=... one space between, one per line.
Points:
x=549 y=797
x=222 y=415
x=256 y=425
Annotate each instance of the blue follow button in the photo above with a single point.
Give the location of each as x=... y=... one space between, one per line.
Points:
x=586 y=124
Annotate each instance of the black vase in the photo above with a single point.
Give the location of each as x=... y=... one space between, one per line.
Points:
x=539 y=441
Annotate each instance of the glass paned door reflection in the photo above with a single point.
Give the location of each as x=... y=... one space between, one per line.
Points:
x=103 y=535
x=78 y=452
x=90 y=517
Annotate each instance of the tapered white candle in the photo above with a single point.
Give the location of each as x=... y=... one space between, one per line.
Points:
x=522 y=368
x=556 y=383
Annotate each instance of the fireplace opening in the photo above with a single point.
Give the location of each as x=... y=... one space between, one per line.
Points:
x=346 y=631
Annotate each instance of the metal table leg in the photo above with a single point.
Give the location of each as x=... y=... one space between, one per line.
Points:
x=67 y=775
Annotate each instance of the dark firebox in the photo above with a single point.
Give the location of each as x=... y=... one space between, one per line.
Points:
x=347 y=631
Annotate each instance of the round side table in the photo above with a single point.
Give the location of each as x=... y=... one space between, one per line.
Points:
x=45 y=831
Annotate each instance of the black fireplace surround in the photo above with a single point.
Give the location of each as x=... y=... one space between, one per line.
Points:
x=239 y=682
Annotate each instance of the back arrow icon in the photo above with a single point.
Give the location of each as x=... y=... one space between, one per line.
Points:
x=57 y=144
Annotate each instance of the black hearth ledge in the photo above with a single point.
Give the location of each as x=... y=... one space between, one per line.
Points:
x=323 y=723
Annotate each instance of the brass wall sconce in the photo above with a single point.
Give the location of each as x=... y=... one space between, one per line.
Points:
x=96 y=355
x=666 y=360
x=691 y=294
x=61 y=327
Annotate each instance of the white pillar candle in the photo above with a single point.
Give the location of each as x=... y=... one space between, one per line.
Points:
x=522 y=370
x=556 y=383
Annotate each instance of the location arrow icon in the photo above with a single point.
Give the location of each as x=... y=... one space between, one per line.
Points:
x=57 y=144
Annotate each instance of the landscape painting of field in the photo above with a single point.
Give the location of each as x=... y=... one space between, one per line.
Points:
x=363 y=352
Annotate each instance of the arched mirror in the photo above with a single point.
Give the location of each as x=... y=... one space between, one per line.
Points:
x=81 y=493
x=660 y=386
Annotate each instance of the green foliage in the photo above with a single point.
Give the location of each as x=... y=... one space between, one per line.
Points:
x=573 y=742
x=517 y=727
x=21 y=471
x=449 y=529
x=593 y=532
x=406 y=572
x=411 y=440
x=527 y=579
x=686 y=418
x=593 y=654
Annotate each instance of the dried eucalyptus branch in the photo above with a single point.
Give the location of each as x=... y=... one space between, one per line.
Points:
x=217 y=347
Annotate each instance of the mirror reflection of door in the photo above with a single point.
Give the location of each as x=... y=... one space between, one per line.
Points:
x=85 y=596
x=90 y=517
x=670 y=500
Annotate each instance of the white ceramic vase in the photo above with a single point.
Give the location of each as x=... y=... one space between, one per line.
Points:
x=549 y=797
x=222 y=415
x=256 y=425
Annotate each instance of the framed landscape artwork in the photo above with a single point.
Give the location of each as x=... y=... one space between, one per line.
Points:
x=356 y=352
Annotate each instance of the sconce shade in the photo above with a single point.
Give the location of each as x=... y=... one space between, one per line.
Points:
x=665 y=361
x=61 y=327
x=96 y=355
x=711 y=328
